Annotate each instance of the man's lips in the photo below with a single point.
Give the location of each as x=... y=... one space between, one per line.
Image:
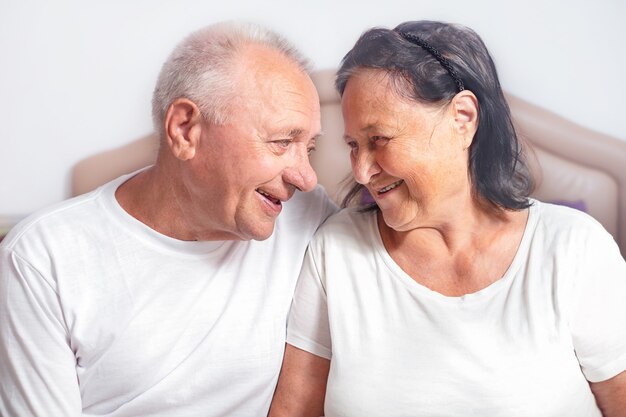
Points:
x=275 y=200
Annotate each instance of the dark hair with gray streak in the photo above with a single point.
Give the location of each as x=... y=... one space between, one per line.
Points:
x=497 y=168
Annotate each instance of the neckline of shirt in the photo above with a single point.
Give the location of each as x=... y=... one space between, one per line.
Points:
x=477 y=296
x=147 y=234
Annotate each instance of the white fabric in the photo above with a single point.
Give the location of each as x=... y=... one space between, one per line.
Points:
x=514 y=348
x=101 y=315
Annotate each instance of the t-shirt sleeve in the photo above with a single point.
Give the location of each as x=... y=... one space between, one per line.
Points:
x=37 y=365
x=598 y=322
x=308 y=327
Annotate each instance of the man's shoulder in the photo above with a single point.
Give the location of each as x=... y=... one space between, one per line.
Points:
x=311 y=207
x=54 y=220
x=78 y=215
x=318 y=194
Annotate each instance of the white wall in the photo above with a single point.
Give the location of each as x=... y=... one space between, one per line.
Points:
x=76 y=75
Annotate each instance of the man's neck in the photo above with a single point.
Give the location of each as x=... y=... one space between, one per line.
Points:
x=152 y=197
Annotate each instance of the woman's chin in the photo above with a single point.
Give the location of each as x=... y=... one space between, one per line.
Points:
x=400 y=222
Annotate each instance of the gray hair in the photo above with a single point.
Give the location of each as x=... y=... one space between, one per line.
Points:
x=200 y=68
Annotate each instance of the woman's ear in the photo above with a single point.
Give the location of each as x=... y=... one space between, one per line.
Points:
x=465 y=113
x=183 y=127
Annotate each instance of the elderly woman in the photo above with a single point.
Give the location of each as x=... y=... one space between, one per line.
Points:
x=453 y=293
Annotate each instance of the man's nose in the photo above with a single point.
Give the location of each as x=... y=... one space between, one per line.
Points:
x=364 y=166
x=301 y=174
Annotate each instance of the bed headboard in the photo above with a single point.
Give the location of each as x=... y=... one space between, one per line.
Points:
x=571 y=164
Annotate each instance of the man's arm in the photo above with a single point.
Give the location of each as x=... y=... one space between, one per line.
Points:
x=301 y=386
x=611 y=395
x=37 y=365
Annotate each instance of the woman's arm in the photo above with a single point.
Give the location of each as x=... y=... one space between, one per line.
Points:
x=301 y=386
x=611 y=395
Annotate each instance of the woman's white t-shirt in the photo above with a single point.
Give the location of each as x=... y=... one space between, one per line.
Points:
x=525 y=346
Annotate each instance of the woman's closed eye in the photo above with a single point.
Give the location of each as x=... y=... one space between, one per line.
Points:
x=379 y=140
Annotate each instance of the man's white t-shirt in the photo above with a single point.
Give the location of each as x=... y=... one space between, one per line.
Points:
x=524 y=346
x=101 y=315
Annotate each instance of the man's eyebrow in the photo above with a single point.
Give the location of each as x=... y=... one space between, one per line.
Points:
x=319 y=135
x=292 y=133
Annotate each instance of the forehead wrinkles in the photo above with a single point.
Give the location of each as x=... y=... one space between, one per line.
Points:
x=375 y=105
x=277 y=90
x=394 y=86
x=275 y=98
x=373 y=99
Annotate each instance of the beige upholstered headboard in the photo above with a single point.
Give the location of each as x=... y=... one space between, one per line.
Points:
x=571 y=164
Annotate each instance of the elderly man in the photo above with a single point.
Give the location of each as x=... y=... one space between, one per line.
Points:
x=166 y=292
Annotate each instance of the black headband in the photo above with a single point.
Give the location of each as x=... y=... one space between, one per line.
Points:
x=434 y=52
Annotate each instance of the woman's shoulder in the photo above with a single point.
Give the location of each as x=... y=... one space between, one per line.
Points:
x=568 y=225
x=564 y=216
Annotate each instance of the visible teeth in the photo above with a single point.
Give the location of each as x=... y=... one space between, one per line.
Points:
x=269 y=197
x=390 y=187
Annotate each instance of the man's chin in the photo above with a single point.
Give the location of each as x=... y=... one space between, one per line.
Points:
x=260 y=232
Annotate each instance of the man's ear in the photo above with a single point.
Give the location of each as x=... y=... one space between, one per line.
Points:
x=465 y=113
x=183 y=128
